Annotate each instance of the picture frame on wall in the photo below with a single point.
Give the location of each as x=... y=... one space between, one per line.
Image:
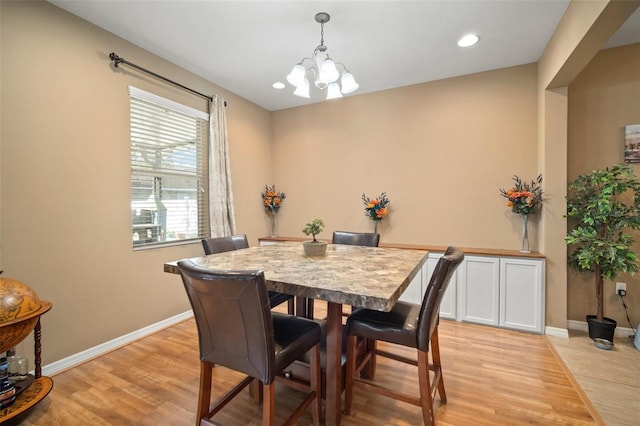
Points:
x=632 y=143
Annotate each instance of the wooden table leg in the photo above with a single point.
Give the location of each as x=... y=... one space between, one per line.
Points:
x=333 y=406
x=301 y=307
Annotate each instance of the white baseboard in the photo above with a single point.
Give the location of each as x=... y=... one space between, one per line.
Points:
x=556 y=331
x=101 y=349
x=582 y=326
x=577 y=325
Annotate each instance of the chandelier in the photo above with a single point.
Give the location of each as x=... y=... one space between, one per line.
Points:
x=322 y=70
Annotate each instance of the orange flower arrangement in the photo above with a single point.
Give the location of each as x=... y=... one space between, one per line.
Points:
x=376 y=208
x=524 y=198
x=272 y=199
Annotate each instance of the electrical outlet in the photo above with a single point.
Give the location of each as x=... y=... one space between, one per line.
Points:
x=621 y=287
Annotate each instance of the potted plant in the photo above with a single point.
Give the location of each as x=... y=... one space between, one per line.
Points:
x=314 y=247
x=602 y=207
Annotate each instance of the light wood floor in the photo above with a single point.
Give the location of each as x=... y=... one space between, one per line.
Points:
x=610 y=379
x=492 y=377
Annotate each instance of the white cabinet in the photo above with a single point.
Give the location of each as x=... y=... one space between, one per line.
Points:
x=269 y=242
x=522 y=294
x=413 y=292
x=503 y=291
x=479 y=289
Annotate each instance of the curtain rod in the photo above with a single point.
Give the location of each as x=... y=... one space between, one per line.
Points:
x=117 y=60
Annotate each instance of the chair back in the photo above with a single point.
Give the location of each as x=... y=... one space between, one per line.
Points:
x=368 y=239
x=223 y=244
x=430 y=309
x=233 y=318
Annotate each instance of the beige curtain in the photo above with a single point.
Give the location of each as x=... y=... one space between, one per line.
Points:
x=221 y=215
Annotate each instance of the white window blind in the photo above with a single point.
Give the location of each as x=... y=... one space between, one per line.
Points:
x=169 y=197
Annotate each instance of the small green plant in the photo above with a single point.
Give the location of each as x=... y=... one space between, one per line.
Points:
x=313 y=228
x=602 y=207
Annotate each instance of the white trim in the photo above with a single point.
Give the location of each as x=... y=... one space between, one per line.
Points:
x=582 y=326
x=159 y=100
x=556 y=331
x=101 y=349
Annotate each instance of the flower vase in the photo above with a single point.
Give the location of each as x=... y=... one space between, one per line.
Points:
x=524 y=248
x=375 y=226
x=274 y=225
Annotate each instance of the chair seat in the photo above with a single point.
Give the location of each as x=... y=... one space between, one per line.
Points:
x=293 y=335
x=299 y=369
x=323 y=345
x=398 y=326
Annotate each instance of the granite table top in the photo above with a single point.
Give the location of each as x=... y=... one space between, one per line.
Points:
x=368 y=277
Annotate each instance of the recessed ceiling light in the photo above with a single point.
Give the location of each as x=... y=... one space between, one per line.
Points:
x=278 y=85
x=468 y=40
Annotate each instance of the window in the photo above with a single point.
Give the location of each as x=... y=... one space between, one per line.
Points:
x=169 y=196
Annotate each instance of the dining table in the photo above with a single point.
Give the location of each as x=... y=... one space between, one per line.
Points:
x=369 y=277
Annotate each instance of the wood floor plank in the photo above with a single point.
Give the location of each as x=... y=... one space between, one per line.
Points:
x=492 y=377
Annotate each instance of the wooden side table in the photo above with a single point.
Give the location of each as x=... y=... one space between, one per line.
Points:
x=33 y=389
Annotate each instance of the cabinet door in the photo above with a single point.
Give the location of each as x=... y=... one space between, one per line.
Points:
x=522 y=294
x=269 y=243
x=478 y=290
x=413 y=293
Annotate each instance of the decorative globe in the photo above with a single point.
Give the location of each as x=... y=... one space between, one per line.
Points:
x=20 y=309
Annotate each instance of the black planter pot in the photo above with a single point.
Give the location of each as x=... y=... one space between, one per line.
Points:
x=604 y=329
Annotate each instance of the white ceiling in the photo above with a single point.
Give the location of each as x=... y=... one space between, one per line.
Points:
x=245 y=46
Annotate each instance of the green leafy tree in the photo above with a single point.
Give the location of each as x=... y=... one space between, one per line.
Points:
x=602 y=207
x=313 y=228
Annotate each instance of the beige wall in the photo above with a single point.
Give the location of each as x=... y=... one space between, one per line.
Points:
x=602 y=100
x=66 y=179
x=579 y=36
x=440 y=150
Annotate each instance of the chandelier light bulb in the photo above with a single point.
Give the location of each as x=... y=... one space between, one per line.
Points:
x=328 y=72
x=302 y=89
x=333 y=91
x=296 y=75
x=348 y=83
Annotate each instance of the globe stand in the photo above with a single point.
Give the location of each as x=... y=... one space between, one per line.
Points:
x=17 y=298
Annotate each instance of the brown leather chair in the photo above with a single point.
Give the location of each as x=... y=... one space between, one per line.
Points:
x=368 y=239
x=237 y=329
x=223 y=244
x=237 y=242
x=410 y=325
